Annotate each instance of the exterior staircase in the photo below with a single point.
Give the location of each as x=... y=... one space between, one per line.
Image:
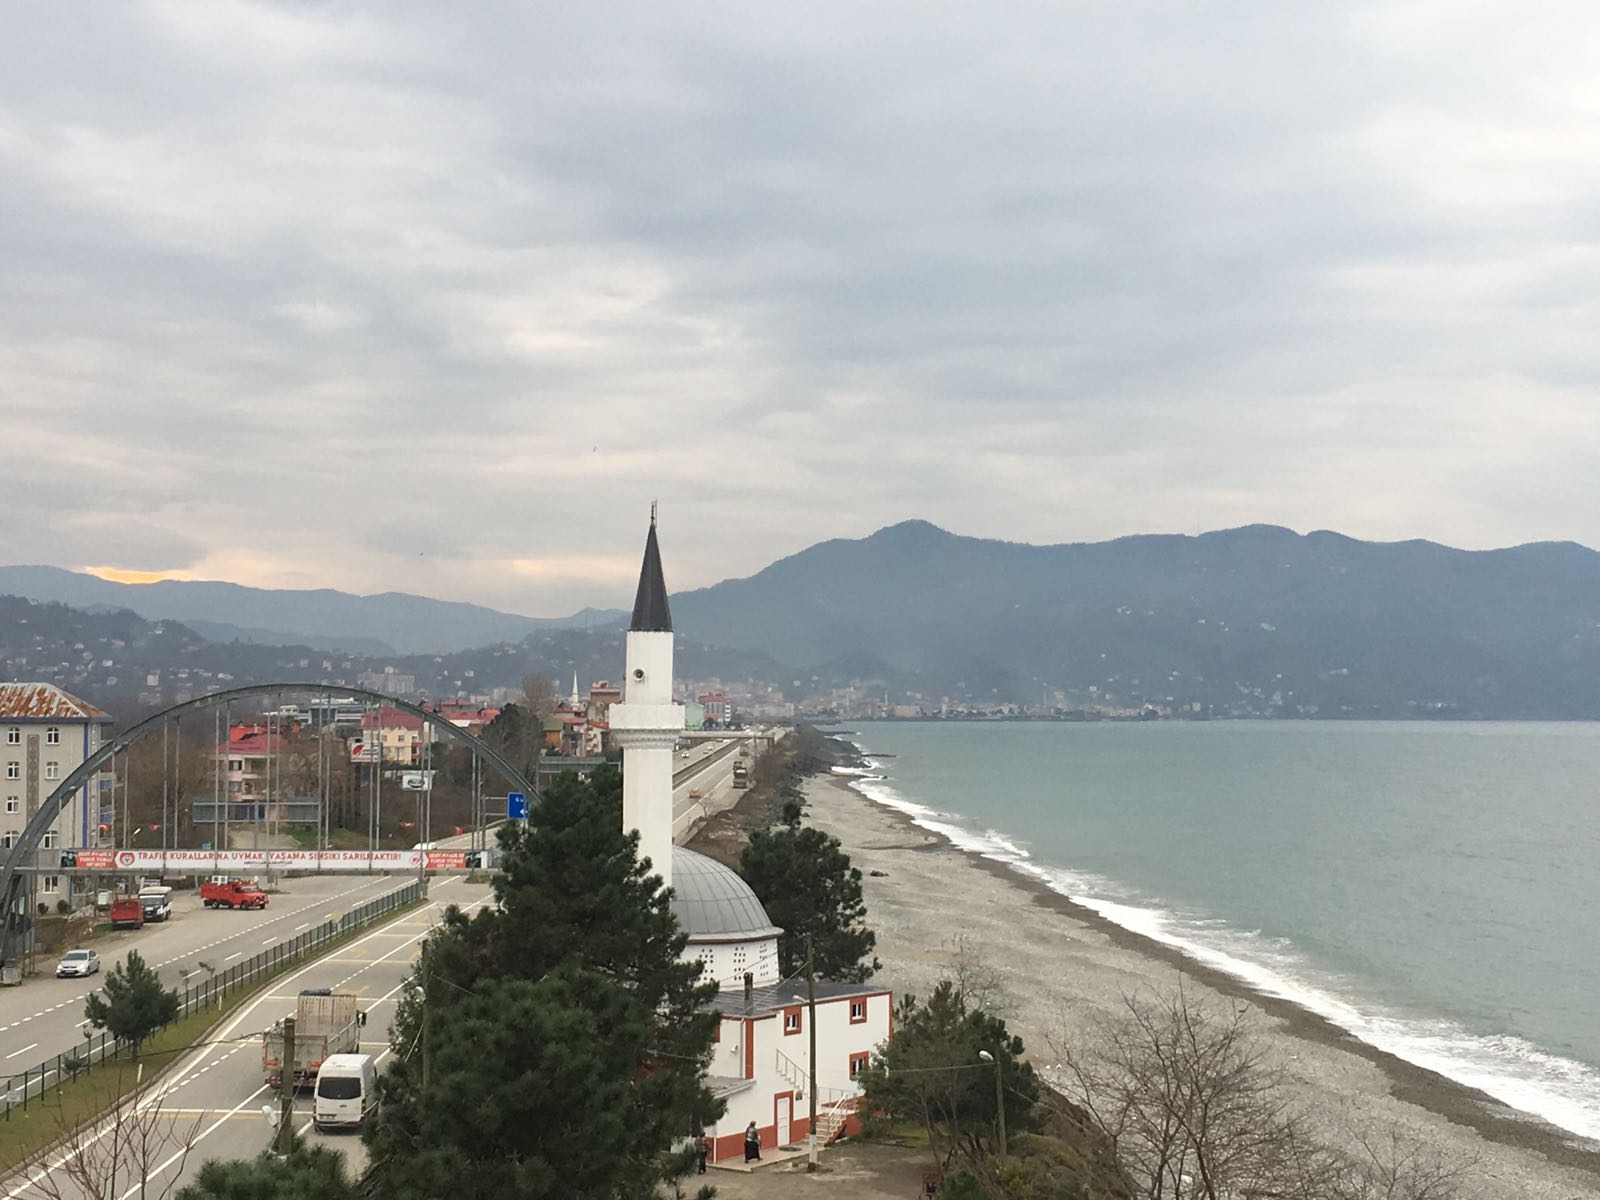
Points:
x=834 y=1105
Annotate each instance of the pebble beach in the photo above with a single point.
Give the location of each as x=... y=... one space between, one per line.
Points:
x=1060 y=968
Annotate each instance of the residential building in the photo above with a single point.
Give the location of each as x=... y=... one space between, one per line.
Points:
x=390 y=734
x=45 y=735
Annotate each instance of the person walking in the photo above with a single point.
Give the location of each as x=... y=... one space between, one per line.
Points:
x=702 y=1148
x=752 y=1143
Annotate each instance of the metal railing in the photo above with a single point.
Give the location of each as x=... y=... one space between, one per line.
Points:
x=34 y=1081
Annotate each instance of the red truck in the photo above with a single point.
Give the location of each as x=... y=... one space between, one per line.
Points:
x=126 y=913
x=233 y=893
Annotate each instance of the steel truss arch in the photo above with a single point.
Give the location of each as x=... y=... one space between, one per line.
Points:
x=27 y=843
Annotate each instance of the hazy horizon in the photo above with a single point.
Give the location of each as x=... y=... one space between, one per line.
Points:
x=620 y=601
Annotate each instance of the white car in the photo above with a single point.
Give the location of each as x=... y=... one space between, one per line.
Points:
x=78 y=962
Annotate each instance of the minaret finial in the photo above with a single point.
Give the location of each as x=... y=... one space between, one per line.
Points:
x=652 y=514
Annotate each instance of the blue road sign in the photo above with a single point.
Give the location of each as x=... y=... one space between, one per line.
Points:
x=516 y=806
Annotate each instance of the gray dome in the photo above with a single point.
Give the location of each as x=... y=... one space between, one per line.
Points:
x=711 y=901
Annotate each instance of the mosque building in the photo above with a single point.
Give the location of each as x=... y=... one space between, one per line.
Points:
x=761 y=1063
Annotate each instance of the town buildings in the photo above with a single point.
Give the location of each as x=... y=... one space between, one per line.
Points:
x=46 y=734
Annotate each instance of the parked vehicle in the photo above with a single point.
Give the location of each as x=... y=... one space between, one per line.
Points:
x=233 y=893
x=346 y=1091
x=126 y=913
x=156 y=902
x=326 y=1023
x=78 y=963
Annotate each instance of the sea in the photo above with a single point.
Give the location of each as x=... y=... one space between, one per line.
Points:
x=1433 y=888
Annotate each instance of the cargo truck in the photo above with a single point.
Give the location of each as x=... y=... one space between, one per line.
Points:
x=326 y=1023
x=233 y=893
x=126 y=913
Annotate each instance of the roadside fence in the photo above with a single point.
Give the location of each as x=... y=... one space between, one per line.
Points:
x=34 y=1081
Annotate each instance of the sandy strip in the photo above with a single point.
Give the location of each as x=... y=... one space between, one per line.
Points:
x=1061 y=964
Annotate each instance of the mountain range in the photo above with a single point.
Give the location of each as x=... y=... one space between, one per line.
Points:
x=1227 y=621
x=1252 y=621
x=386 y=623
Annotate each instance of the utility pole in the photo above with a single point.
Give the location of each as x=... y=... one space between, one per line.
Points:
x=286 y=1090
x=811 y=1027
x=427 y=1046
x=1000 y=1105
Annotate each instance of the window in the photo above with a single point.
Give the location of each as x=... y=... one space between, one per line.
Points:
x=13 y=736
x=236 y=764
x=13 y=770
x=858 y=1011
x=51 y=883
x=233 y=785
x=52 y=770
x=858 y=1063
x=791 y=1020
x=9 y=840
x=50 y=839
x=13 y=804
x=52 y=736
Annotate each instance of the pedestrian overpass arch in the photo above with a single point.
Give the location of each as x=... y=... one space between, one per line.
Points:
x=26 y=847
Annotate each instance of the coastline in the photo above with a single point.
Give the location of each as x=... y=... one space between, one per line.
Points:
x=1062 y=971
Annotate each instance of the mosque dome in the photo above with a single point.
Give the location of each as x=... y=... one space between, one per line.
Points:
x=712 y=903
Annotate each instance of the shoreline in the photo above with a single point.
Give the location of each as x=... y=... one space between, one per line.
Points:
x=1350 y=1082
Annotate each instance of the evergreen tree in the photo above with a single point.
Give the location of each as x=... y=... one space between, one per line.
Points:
x=135 y=1004
x=809 y=889
x=556 y=1036
x=309 y=1173
x=931 y=1071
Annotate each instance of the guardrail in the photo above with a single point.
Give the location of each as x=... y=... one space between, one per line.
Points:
x=700 y=764
x=35 y=1081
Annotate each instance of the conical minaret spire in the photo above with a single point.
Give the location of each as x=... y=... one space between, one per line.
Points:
x=647 y=723
x=650 y=611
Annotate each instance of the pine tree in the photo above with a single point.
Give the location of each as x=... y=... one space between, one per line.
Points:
x=135 y=1004
x=561 y=1036
x=809 y=889
x=308 y=1173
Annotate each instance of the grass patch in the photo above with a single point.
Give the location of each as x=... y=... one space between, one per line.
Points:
x=24 y=1133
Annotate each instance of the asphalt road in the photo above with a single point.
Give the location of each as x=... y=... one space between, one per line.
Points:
x=214 y=1097
x=43 y=1016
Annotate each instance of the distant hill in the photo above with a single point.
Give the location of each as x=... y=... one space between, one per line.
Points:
x=1253 y=620
x=390 y=622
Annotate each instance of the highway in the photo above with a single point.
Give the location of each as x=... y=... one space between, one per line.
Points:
x=43 y=1016
x=215 y=1095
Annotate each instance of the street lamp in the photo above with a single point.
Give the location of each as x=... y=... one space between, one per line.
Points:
x=999 y=1098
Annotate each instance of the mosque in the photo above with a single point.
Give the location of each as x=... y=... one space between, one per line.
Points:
x=761 y=1063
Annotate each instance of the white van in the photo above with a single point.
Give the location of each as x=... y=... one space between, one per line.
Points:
x=346 y=1091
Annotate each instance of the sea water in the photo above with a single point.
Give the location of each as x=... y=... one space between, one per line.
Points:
x=1432 y=888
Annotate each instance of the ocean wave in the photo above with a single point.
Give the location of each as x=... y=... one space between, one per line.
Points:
x=1559 y=1090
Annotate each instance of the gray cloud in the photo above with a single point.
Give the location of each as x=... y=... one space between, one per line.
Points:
x=432 y=299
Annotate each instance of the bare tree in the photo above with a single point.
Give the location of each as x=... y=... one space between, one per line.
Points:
x=133 y=1148
x=1191 y=1103
x=976 y=979
x=1196 y=1109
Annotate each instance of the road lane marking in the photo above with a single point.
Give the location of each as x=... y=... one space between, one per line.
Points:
x=188 y=1072
x=231 y=957
x=24 y=1050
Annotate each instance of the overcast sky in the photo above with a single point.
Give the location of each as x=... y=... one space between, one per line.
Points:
x=437 y=298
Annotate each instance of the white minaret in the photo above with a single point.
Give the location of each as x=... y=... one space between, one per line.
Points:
x=647 y=723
